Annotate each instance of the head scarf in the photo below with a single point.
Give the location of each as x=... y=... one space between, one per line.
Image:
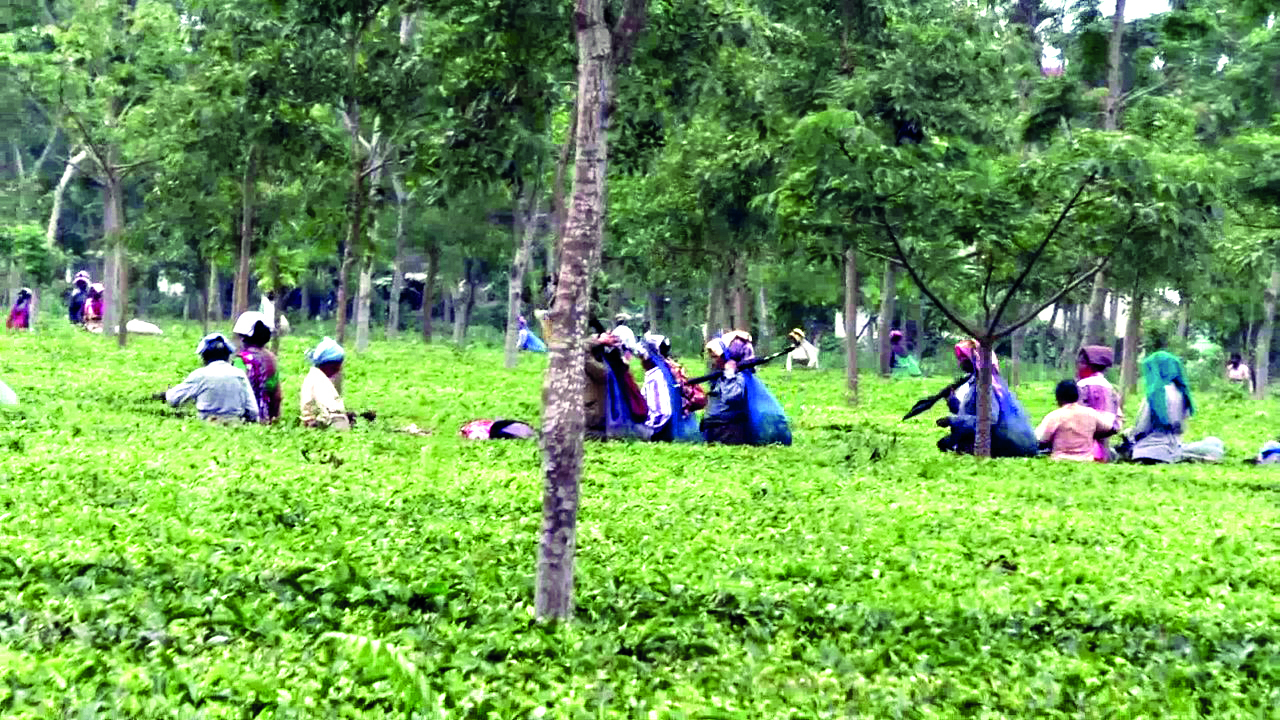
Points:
x=1097 y=358
x=734 y=345
x=1158 y=370
x=248 y=322
x=24 y=295
x=96 y=288
x=968 y=350
x=212 y=341
x=328 y=350
x=82 y=275
x=895 y=335
x=522 y=323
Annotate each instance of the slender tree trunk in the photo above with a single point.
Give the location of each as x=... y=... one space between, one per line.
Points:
x=713 y=305
x=363 y=300
x=763 y=330
x=429 y=291
x=1015 y=352
x=277 y=286
x=652 y=308
x=68 y=173
x=888 y=292
x=1132 y=343
x=851 y=323
x=240 y=296
x=122 y=294
x=114 y=302
x=558 y=212
x=1095 y=324
x=1262 y=351
x=397 y=271
x=563 y=391
x=210 y=295
x=356 y=232
x=1042 y=357
x=1184 y=316
x=1113 y=321
x=741 y=308
x=1111 y=105
x=524 y=228
x=982 y=443
x=464 y=304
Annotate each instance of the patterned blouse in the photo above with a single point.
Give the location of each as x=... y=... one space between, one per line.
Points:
x=260 y=365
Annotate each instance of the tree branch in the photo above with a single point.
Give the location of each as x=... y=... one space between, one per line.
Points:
x=1077 y=282
x=915 y=277
x=1035 y=256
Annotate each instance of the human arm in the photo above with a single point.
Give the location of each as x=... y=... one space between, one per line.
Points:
x=1108 y=424
x=1046 y=429
x=188 y=389
x=967 y=419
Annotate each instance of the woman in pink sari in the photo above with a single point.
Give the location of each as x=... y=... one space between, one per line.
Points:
x=1096 y=391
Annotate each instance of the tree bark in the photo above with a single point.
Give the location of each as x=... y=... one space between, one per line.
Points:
x=113 y=235
x=1184 y=315
x=763 y=330
x=982 y=443
x=240 y=296
x=713 y=305
x=558 y=212
x=397 y=271
x=210 y=294
x=1132 y=342
x=563 y=390
x=68 y=173
x=888 y=292
x=741 y=306
x=1113 y=321
x=652 y=309
x=363 y=299
x=524 y=228
x=1111 y=105
x=356 y=231
x=1095 y=325
x=1262 y=351
x=1015 y=353
x=463 y=305
x=1042 y=356
x=851 y=323
x=429 y=291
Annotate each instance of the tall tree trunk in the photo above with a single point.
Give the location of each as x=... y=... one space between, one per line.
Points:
x=397 y=271
x=113 y=235
x=741 y=307
x=363 y=304
x=763 y=331
x=240 y=297
x=888 y=292
x=982 y=443
x=69 y=172
x=524 y=228
x=713 y=310
x=563 y=391
x=1111 y=105
x=558 y=212
x=1095 y=324
x=1113 y=321
x=429 y=291
x=851 y=323
x=1262 y=351
x=356 y=232
x=1132 y=345
x=1184 y=315
x=210 y=295
x=464 y=304
x=1042 y=354
x=652 y=309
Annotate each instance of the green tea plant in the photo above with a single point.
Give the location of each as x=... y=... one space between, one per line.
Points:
x=155 y=566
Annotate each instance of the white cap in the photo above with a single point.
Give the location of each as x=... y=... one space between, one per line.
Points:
x=248 y=321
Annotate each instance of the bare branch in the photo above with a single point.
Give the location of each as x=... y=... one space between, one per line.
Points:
x=48 y=149
x=1035 y=256
x=915 y=277
x=134 y=165
x=1077 y=282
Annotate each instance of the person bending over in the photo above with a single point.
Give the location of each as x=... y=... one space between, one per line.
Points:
x=322 y=406
x=253 y=333
x=221 y=392
x=1070 y=431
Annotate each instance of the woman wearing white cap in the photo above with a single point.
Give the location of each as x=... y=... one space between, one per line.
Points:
x=220 y=391
x=253 y=332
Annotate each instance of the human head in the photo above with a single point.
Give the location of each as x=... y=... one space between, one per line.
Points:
x=96 y=289
x=1067 y=392
x=213 y=347
x=1236 y=359
x=734 y=346
x=895 y=336
x=621 y=319
x=253 y=329
x=1094 y=359
x=1158 y=370
x=649 y=356
x=970 y=360
x=81 y=280
x=328 y=356
x=24 y=294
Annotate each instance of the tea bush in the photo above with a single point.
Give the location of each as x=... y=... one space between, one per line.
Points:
x=155 y=566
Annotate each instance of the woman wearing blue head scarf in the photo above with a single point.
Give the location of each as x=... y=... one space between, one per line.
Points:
x=322 y=406
x=220 y=391
x=1162 y=418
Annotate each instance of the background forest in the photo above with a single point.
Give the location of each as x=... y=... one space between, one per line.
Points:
x=770 y=163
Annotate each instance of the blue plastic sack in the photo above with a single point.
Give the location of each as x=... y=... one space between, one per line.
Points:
x=617 y=412
x=532 y=343
x=768 y=421
x=684 y=428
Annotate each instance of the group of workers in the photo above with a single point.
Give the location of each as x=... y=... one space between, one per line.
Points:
x=244 y=384
x=1088 y=414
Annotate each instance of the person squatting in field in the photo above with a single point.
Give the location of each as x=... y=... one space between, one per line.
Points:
x=20 y=314
x=740 y=410
x=613 y=405
x=1162 y=417
x=253 y=332
x=1072 y=430
x=93 y=306
x=322 y=406
x=1097 y=392
x=79 y=293
x=1239 y=373
x=221 y=392
x=1011 y=433
x=904 y=365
